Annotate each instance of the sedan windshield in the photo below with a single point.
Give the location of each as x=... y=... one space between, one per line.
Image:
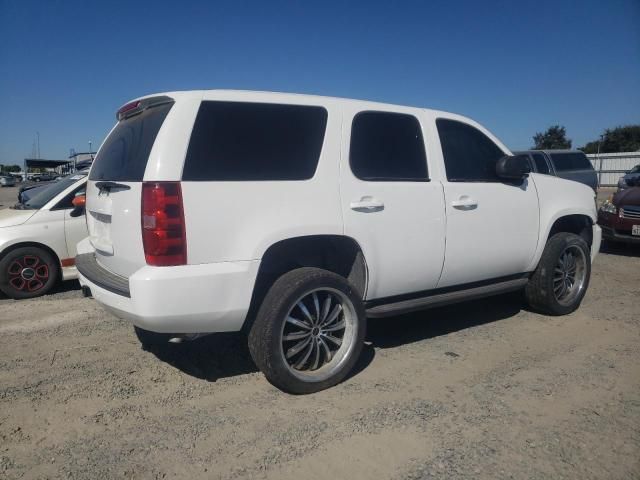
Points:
x=49 y=192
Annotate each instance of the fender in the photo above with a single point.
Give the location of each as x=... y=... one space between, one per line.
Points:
x=559 y=198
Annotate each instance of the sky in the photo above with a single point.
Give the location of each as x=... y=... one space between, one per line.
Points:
x=517 y=67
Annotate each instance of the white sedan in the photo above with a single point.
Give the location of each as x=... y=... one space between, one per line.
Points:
x=38 y=238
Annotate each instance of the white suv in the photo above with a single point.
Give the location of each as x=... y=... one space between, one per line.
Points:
x=295 y=217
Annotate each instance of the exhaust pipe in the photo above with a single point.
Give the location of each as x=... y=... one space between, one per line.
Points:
x=186 y=337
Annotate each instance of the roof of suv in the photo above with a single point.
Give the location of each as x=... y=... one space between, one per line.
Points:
x=255 y=95
x=298 y=98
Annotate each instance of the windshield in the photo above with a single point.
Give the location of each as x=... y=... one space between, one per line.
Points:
x=43 y=197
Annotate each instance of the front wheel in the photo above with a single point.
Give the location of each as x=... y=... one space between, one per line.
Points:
x=309 y=331
x=560 y=282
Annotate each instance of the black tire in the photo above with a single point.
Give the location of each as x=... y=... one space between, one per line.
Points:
x=28 y=272
x=266 y=334
x=539 y=291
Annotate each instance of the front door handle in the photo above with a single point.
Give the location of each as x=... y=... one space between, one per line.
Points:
x=367 y=204
x=465 y=202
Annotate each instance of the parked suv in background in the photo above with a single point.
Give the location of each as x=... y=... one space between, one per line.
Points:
x=295 y=217
x=631 y=178
x=570 y=164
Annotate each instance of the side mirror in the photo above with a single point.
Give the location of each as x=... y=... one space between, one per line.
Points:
x=514 y=167
x=78 y=205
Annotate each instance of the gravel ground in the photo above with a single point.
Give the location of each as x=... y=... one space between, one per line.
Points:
x=481 y=390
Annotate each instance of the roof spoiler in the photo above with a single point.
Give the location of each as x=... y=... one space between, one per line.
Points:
x=138 y=106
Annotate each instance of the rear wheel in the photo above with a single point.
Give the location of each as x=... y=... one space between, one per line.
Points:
x=309 y=331
x=560 y=282
x=28 y=272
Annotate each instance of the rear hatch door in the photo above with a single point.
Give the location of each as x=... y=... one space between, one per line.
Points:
x=114 y=188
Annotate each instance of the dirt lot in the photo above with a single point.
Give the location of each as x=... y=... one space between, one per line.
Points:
x=482 y=390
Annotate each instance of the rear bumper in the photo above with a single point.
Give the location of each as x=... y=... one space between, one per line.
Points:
x=185 y=299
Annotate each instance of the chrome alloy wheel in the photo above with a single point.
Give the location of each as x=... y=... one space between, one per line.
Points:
x=318 y=334
x=569 y=275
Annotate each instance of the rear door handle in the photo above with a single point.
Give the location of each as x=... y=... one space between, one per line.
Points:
x=367 y=205
x=465 y=202
x=108 y=186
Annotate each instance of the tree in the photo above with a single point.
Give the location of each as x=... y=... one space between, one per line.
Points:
x=619 y=139
x=10 y=168
x=554 y=138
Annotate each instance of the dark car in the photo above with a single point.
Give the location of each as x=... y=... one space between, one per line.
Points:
x=619 y=217
x=29 y=191
x=569 y=164
x=633 y=174
x=45 y=177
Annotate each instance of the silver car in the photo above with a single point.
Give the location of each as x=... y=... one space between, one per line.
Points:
x=7 y=181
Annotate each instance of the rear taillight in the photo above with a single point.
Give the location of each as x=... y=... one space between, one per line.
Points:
x=163 y=229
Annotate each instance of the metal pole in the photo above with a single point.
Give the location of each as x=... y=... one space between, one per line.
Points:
x=600 y=158
x=38 y=134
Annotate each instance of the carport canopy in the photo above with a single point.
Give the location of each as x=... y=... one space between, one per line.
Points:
x=43 y=163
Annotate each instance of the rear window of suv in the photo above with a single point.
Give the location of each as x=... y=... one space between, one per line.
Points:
x=236 y=141
x=124 y=154
x=570 y=161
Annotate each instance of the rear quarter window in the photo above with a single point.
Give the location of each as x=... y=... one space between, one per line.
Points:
x=124 y=154
x=242 y=141
x=570 y=161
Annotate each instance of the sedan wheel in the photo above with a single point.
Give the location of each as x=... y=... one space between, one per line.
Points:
x=28 y=272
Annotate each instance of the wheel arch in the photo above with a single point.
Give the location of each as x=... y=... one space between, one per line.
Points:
x=339 y=254
x=42 y=246
x=578 y=222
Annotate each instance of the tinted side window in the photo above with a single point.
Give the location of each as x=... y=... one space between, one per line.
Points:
x=387 y=147
x=570 y=161
x=124 y=154
x=469 y=155
x=541 y=163
x=255 y=141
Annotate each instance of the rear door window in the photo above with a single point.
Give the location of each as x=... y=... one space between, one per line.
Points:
x=570 y=161
x=469 y=155
x=541 y=163
x=387 y=146
x=240 y=141
x=123 y=156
